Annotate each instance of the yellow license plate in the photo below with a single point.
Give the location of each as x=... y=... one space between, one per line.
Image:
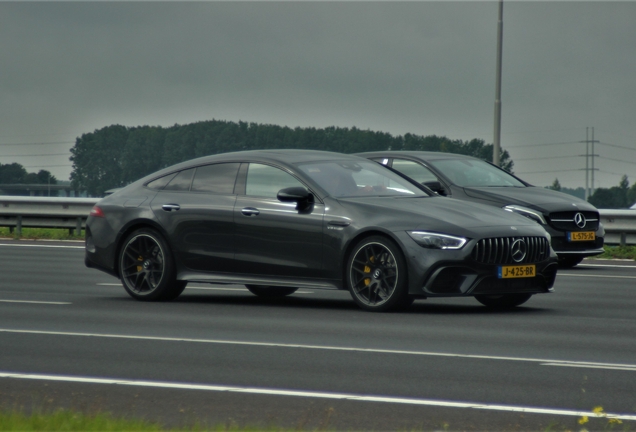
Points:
x=521 y=271
x=582 y=236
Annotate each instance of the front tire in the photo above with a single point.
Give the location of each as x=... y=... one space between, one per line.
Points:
x=270 y=291
x=376 y=275
x=146 y=267
x=505 y=301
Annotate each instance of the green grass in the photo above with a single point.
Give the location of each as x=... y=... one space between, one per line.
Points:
x=63 y=420
x=72 y=421
x=618 y=252
x=41 y=233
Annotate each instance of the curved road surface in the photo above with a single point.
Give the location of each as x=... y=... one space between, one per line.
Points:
x=71 y=337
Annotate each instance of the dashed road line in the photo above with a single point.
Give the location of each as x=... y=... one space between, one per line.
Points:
x=547 y=362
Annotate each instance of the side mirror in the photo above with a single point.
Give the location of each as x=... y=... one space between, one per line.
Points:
x=295 y=194
x=435 y=186
x=302 y=197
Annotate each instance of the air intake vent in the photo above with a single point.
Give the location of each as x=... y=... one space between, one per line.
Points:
x=511 y=250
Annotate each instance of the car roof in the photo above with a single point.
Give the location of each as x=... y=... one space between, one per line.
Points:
x=424 y=155
x=284 y=156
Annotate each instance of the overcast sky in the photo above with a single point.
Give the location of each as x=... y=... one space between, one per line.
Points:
x=426 y=68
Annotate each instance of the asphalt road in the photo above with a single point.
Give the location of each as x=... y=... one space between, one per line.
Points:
x=71 y=337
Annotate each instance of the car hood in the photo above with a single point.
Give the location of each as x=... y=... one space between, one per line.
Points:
x=544 y=200
x=441 y=214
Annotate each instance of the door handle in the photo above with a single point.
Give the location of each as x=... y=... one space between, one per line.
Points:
x=250 y=211
x=170 y=207
x=339 y=223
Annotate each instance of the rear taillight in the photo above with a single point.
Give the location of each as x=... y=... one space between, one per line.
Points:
x=97 y=212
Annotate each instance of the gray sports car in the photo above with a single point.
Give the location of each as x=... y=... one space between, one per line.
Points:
x=280 y=220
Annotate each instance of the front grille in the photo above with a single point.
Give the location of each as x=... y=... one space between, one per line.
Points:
x=499 y=250
x=565 y=221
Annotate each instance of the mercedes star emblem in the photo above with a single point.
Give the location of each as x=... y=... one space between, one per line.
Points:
x=519 y=249
x=579 y=220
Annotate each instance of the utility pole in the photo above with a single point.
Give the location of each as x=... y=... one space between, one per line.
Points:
x=497 y=135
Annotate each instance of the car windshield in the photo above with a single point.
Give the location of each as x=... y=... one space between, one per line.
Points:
x=474 y=173
x=344 y=179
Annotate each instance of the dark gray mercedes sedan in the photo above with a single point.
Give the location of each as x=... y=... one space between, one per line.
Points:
x=280 y=220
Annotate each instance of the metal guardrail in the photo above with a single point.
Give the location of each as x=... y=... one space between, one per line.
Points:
x=17 y=212
x=620 y=226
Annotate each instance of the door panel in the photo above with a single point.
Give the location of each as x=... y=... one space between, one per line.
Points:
x=198 y=215
x=272 y=237
x=201 y=232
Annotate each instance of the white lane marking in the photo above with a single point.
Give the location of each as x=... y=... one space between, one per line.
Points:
x=317 y=394
x=624 y=367
x=42 y=246
x=595 y=276
x=608 y=265
x=208 y=288
x=322 y=347
x=35 y=302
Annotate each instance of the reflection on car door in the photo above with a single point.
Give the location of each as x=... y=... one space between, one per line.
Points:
x=196 y=210
x=272 y=237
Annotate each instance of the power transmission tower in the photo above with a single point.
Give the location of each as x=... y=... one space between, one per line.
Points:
x=589 y=189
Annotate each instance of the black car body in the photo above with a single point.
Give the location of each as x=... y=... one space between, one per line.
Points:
x=573 y=223
x=280 y=220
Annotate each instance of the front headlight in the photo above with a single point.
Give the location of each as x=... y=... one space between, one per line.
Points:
x=525 y=211
x=436 y=240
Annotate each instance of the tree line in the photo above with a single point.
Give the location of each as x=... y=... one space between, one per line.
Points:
x=118 y=155
x=615 y=197
x=14 y=173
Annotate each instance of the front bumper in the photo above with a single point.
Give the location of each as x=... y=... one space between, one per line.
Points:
x=455 y=273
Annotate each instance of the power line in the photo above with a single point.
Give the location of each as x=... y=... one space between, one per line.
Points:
x=618 y=146
x=47 y=166
x=617 y=160
x=37 y=143
x=541 y=172
x=544 y=144
x=611 y=172
x=547 y=157
x=49 y=154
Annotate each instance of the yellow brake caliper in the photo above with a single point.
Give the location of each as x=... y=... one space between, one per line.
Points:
x=139 y=267
x=367 y=269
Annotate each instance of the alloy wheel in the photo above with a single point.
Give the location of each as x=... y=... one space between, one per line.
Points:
x=142 y=264
x=373 y=274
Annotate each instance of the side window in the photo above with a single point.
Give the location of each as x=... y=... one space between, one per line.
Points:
x=217 y=178
x=181 y=182
x=414 y=170
x=161 y=182
x=266 y=181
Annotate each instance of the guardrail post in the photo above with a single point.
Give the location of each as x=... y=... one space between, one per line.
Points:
x=18 y=226
x=78 y=227
x=623 y=239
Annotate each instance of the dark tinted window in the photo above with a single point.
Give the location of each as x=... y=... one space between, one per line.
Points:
x=161 y=182
x=181 y=182
x=217 y=178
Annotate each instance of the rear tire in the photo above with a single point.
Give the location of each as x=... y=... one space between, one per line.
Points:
x=376 y=275
x=270 y=291
x=504 y=301
x=146 y=267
